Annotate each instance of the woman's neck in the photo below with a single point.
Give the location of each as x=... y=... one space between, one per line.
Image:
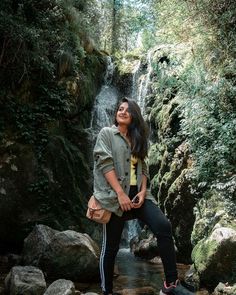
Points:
x=123 y=129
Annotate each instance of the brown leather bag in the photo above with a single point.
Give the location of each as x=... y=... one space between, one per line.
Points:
x=96 y=213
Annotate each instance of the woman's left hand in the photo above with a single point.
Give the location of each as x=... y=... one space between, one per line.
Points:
x=141 y=195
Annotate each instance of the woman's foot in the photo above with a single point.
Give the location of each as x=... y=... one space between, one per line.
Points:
x=175 y=289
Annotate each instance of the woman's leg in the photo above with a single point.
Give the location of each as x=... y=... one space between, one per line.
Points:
x=151 y=215
x=111 y=239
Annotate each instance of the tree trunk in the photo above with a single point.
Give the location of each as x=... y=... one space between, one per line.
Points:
x=115 y=25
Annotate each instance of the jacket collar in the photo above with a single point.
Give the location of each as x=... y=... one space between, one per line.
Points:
x=115 y=129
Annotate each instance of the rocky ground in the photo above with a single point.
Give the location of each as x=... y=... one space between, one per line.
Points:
x=123 y=283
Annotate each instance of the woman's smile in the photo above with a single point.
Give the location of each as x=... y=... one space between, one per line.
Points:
x=123 y=114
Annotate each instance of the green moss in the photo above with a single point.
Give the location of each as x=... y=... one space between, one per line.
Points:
x=155 y=158
x=202 y=254
x=125 y=62
x=211 y=211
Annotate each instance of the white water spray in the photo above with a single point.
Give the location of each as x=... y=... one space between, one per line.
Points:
x=143 y=83
x=105 y=102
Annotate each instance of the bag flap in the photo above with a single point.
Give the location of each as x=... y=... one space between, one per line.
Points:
x=93 y=204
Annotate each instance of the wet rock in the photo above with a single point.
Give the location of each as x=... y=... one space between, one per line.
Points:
x=144 y=247
x=68 y=254
x=61 y=287
x=176 y=188
x=25 y=280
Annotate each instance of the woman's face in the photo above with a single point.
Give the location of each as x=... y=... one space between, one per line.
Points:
x=123 y=116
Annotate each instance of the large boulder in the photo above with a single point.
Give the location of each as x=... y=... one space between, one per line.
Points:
x=36 y=243
x=68 y=254
x=215 y=256
x=71 y=255
x=25 y=280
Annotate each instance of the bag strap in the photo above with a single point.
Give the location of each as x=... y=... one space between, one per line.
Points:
x=95 y=209
x=94 y=202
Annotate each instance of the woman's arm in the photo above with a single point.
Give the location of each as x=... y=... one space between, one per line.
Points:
x=142 y=193
x=124 y=200
x=144 y=183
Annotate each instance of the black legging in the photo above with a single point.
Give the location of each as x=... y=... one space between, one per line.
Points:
x=154 y=218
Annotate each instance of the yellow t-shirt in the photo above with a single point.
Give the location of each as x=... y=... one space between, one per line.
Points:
x=133 y=165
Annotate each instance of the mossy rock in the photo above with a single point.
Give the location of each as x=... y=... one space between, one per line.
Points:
x=215 y=257
x=180 y=202
x=155 y=158
x=210 y=212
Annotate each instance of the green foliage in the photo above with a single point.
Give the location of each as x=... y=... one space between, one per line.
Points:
x=33 y=34
x=42 y=57
x=219 y=17
x=124 y=22
x=175 y=22
x=209 y=122
x=206 y=85
x=208 y=26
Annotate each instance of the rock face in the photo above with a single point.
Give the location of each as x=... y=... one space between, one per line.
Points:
x=54 y=193
x=68 y=254
x=44 y=171
x=170 y=158
x=200 y=212
x=213 y=238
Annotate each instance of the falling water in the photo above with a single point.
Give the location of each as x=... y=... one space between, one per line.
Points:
x=105 y=102
x=141 y=79
x=136 y=73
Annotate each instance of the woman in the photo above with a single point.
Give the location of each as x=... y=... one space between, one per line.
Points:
x=120 y=185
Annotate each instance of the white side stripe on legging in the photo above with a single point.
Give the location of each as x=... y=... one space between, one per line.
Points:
x=104 y=240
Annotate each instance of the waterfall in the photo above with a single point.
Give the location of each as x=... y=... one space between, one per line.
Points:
x=141 y=81
x=135 y=73
x=105 y=102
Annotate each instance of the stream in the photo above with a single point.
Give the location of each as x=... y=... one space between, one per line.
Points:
x=136 y=272
x=133 y=273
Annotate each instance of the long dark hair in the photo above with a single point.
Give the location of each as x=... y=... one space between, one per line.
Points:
x=138 y=129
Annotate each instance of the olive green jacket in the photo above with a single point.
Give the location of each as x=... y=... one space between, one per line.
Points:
x=112 y=151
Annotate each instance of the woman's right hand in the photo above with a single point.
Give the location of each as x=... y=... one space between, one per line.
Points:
x=124 y=201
